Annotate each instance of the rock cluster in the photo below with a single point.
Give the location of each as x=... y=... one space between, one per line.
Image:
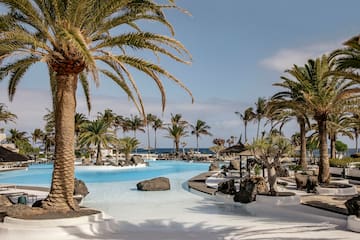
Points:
x=353 y=206
x=305 y=181
x=80 y=188
x=155 y=184
x=227 y=187
x=249 y=188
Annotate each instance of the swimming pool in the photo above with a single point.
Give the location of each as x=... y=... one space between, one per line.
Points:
x=41 y=174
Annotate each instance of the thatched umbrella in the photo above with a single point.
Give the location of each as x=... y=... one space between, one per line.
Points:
x=7 y=156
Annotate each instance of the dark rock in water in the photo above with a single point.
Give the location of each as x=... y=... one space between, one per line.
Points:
x=155 y=184
x=227 y=187
x=249 y=187
x=136 y=159
x=214 y=166
x=80 y=188
x=234 y=165
x=5 y=201
x=353 y=206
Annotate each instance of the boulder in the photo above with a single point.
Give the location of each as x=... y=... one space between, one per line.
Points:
x=282 y=172
x=249 y=187
x=304 y=181
x=301 y=180
x=5 y=201
x=234 y=165
x=136 y=159
x=214 y=166
x=80 y=188
x=155 y=184
x=227 y=187
x=247 y=193
x=353 y=206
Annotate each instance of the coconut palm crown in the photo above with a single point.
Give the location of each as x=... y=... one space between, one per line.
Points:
x=79 y=40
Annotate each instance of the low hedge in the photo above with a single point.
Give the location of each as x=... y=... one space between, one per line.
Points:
x=342 y=162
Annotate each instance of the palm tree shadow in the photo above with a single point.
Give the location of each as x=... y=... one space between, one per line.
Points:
x=172 y=230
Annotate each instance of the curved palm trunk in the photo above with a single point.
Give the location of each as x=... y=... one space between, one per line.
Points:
x=324 y=168
x=258 y=129
x=62 y=185
x=98 y=155
x=303 y=162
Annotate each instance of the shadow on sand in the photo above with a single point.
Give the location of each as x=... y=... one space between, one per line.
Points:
x=172 y=230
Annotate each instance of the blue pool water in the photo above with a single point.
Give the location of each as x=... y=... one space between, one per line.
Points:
x=41 y=174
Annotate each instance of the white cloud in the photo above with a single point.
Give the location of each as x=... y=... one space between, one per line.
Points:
x=285 y=58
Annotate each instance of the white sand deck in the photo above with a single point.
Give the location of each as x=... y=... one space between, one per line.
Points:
x=181 y=215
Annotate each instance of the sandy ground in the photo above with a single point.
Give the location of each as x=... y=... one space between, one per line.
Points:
x=181 y=215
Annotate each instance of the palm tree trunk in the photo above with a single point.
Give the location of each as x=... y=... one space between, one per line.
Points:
x=245 y=124
x=177 y=147
x=332 y=146
x=303 y=162
x=148 y=135
x=197 y=142
x=62 y=185
x=324 y=168
x=356 y=140
x=155 y=142
x=258 y=129
x=98 y=155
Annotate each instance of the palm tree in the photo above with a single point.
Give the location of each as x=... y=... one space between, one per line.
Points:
x=176 y=132
x=259 y=113
x=17 y=137
x=127 y=145
x=108 y=116
x=291 y=103
x=178 y=120
x=200 y=128
x=135 y=123
x=96 y=133
x=246 y=117
x=337 y=123
x=324 y=95
x=157 y=124
x=36 y=135
x=5 y=115
x=150 y=118
x=80 y=119
x=72 y=38
x=353 y=122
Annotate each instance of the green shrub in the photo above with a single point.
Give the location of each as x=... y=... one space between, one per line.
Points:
x=295 y=168
x=343 y=162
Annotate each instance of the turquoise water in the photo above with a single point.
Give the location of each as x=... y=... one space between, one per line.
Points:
x=41 y=174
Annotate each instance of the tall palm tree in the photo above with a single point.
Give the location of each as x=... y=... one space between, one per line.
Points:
x=72 y=38
x=324 y=95
x=36 y=135
x=291 y=101
x=5 y=115
x=150 y=118
x=96 y=133
x=337 y=124
x=135 y=123
x=259 y=113
x=246 y=117
x=80 y=119
x=157 y=124
x=108 y=116
x=200 y=128
x=176 y=132
x=353 y=122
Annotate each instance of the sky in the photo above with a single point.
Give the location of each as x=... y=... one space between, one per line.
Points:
x=239 y=49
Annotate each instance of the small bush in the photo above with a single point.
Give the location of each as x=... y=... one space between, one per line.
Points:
x=342 y=162
x=295 y=168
